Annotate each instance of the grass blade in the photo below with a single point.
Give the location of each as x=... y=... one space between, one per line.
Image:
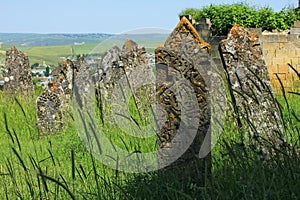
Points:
x=73 y=164
x=20 y=159
x=58 y=183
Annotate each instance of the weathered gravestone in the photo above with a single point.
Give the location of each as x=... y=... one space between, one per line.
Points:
x=49 y=109
x=131 y=61
x=111 y=56
x=17 y=73
x=124 y=73
x=82 y=83
x=67 y=76
x=183 y=81
x=55 y=100
x=254 y=103
x=138 y=72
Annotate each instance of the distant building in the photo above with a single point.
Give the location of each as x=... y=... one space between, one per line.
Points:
x=44 y=81
x=38 y=71
x=79 y=43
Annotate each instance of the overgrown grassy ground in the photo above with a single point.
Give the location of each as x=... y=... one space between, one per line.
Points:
x=58 y=166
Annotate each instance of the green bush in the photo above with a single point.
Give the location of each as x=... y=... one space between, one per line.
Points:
x=223 y=17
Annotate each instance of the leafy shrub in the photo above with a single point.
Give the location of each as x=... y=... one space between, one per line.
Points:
x=223 y=17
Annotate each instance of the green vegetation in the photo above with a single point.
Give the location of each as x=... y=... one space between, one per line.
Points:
x=59 y=39
x=223 y=17
x=49 y=54
x=52 y=55
x=57 y=166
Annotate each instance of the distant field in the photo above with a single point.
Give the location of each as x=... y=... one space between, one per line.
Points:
x=50 y=48
x=53 y=55
x=50 y=54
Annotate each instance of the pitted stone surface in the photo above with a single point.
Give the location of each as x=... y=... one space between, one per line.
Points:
x=184 y=52
x=17 y=73
x=130 y=45
x=109 y=58
x=54 y=102
x=68 y=72
x=49 y=109
x=130 y=67
x=168 y=63
x=82 y=83
x=255 y=105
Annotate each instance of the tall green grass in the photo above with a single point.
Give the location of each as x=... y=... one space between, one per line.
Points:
x=57 y=166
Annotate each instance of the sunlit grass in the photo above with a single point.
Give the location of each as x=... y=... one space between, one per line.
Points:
x=58 y=166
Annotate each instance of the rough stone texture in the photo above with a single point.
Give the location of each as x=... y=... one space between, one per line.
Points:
x=254 y=102
x=65 y=76
x=186 y=41
x=108 y=73
x=56 y=73
x=17 y=73
x=68 y=73
x=168 y=63
x=130 y=45
x=54 y=102
x=136 y=64
x=49 y=109
x=127 y=67
x=82 y=83
x=111 y=56
x=184 y=53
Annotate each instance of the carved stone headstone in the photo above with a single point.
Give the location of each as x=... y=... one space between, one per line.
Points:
x=68 y=74
x=49 y=109
x=169 y=67
x=136 y=64
x=17 y=73
x=129 y=66
x=254 y=103
x=183 y=62
x=55 y=100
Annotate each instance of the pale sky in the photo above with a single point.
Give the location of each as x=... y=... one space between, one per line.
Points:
x=99 y=16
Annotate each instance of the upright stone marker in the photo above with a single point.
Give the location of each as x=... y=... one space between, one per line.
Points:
x=111 y=56
x=181 y=63
x=49 y=109
x=255 y=106
x=54 y=102
x=17 y=73
x=82 y=83
x=128 y=67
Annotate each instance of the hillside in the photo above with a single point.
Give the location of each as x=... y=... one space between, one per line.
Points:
x=52 y=48
x=34 y=39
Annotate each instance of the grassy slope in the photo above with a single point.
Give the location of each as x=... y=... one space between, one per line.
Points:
x=58 y=166
x=52 y=55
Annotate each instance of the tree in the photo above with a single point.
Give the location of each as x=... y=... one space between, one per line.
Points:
x=35 y=65
x=47 y=72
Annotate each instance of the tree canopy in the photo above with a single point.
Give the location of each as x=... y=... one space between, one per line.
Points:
x=223 y=17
